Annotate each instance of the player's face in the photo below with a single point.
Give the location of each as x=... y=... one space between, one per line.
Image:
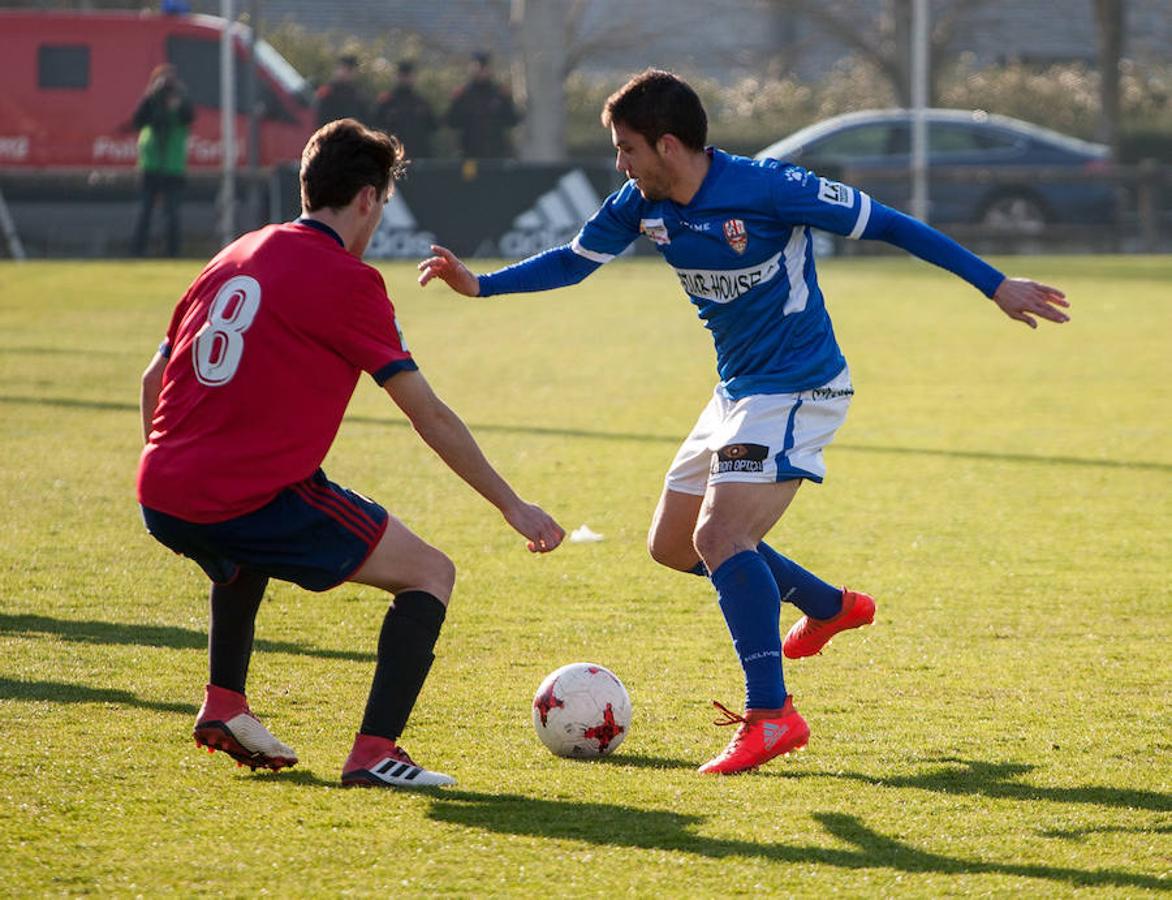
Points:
x=641 y=162
x=370 y=223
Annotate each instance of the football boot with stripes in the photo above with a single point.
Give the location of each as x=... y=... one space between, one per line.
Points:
x=379 y=762
x=226 y=723
x=809 y=636
x=761 y=735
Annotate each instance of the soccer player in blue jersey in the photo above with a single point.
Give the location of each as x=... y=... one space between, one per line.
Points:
x=737 y=233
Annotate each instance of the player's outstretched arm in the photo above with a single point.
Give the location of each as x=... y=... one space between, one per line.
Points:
x=447 y=267
x=450 y=438
x=1022 y=299
x=553 y=268
x=1018 y=298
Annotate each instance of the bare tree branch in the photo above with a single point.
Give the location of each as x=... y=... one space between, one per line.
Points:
x=883 y=40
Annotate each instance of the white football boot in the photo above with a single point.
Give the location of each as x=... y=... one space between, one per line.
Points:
x=380 y=762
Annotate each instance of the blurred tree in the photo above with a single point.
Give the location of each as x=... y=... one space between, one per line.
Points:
x=553 y=41
x=884 y=39
x=542 y=27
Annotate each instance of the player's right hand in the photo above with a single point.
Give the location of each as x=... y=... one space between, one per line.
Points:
x=534 y=523
x=447 y=267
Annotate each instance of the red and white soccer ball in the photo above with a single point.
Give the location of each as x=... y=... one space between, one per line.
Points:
x=582 y=710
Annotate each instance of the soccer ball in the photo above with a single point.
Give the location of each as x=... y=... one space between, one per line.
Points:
x=582 y=710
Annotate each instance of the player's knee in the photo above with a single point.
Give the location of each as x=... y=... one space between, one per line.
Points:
x=440 y=575
x=660 y=554
x=428 y=570
x=655 y=549
x=711 y=540
x=680 y=558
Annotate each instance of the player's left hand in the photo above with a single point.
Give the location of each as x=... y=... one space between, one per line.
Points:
x=1022 y=299
x=448 y=267
x=534 y=523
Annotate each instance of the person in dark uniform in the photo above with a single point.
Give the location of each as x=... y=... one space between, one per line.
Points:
x=341 y=97
x=405 y=113
x=482 y=112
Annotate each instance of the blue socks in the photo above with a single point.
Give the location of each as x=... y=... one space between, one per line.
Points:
x=803 y=589
x=751 y=603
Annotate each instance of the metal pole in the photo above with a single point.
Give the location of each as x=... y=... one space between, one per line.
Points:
x=919 y=163
x=228 y=124
x=8 y=227
x=254 y=112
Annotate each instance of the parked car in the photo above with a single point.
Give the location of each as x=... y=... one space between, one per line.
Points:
x=986 y=169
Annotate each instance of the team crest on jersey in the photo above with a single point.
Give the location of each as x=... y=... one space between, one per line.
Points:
x=656 y=230
x=736 y=235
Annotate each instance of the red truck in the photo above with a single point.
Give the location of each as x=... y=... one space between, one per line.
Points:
x=69 y=83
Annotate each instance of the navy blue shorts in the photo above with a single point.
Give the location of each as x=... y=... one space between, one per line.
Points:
x=314 y=533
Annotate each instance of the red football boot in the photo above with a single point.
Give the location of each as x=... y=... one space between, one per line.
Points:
x=809 y=636
x=762 y=735
x=226 y=723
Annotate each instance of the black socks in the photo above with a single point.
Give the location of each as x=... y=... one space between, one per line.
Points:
x=410 y=630
x=230 y=629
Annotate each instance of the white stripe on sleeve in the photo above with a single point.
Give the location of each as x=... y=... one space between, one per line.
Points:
x=591 y=255
x=864 y=216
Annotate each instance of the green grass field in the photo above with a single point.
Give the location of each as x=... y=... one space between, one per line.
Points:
x=1003 y=729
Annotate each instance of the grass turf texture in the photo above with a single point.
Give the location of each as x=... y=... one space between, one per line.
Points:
x=1003 y=728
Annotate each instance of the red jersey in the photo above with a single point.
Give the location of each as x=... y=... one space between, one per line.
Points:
x=266 y=348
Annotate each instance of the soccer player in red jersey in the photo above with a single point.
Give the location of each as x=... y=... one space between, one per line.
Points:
x=240 y=406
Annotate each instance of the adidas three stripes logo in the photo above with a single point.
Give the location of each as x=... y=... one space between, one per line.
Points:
x=402 y=771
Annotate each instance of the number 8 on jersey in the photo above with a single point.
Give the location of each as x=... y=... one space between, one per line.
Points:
x=219 y=344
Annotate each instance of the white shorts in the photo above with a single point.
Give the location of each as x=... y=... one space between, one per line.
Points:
x=762 y=438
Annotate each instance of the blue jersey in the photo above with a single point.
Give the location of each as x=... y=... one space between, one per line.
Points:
x=742 y=251
x=743 y=254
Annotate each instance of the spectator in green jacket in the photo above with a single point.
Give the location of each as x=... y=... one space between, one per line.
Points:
x=163 y=117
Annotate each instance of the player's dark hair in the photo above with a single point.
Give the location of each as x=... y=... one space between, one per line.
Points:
x=654 y=103
x=342 y=158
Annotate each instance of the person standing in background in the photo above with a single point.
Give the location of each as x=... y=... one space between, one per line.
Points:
x=163 y=118
x=405 y=113
x=341 y=97
x=482 y=112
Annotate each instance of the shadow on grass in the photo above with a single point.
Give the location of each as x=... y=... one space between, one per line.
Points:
x=71 y=403
x=625 y=826
x=638 y=761
x=64 y=692
x=94 y=632
x=549 y=431
x=65 y=351
x=1079 y=835
x=295 y=776
x=998 y=781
